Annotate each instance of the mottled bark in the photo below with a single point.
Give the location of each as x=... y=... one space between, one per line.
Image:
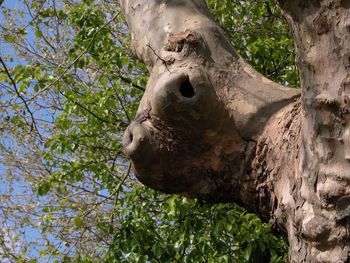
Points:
x=210 y=126
x=320 y=230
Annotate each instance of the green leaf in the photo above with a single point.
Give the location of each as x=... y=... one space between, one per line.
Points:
x=44 y=188
x=11 y=38
x=38 y=33
x=78 y=222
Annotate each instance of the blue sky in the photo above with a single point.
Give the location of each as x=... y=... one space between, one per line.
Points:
x=19 y=186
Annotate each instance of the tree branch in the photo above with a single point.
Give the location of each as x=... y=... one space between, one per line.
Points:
x=33 y=124
x=77 y=58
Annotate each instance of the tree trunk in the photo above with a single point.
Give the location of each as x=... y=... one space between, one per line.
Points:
x=210 y=126
x=322 y=202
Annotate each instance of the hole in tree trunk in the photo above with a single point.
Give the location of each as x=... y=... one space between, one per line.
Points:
x=186 y=88
x=180 y=46
x=345 y=3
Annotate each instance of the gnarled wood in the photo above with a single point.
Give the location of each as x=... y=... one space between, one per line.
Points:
x=204 y=107
x=210 y=126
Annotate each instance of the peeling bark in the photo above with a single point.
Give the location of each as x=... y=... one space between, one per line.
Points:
x=210 y=126
x=321 y=220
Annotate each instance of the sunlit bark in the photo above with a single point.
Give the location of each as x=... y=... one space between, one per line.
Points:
x=210 y=126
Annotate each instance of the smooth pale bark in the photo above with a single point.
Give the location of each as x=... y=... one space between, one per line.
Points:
x=210 y=126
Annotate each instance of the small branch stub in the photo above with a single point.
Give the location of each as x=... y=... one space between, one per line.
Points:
x=176 y=42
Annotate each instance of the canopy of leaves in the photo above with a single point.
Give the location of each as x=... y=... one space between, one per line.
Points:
x=68 y=88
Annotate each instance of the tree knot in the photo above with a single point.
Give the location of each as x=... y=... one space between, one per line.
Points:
x=177 y=42
x=322 y=25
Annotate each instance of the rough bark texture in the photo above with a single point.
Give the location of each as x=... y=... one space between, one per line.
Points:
x=210 y=126
x=319 y=226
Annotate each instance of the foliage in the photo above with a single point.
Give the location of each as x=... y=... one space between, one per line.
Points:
x=69 y=87
x=260 y=35
x=177 y=229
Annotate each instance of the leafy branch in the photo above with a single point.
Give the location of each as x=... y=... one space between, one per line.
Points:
x=78 y=57
x=33 y=124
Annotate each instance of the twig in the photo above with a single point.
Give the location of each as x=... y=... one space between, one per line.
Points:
x=89 y=111
x=77 y=58
x=122 y=104
x=155 y=53
x=33 y=124
x=3 y=245
x=36 y=15
x=128 y=81
x=37 y=26
x=122 y=180
x=116 y=193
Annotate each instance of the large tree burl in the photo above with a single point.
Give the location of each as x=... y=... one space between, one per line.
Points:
x=204 y=109
x=210 y=126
